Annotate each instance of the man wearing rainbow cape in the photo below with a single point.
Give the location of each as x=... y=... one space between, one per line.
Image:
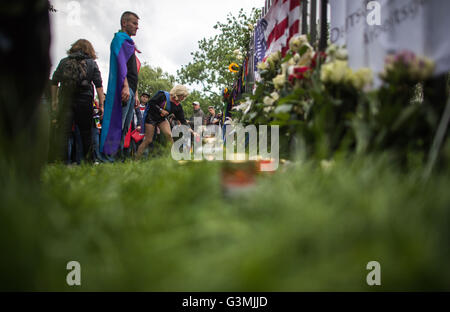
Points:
x=121 y=97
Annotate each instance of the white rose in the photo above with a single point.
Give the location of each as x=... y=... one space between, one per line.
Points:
x=325 y=72
x=268 y=109
x=339 y=72
x=284 y=68
x=262 y=66
x=364 y=77
x=275 y=56
x=268 y=101
x=306 y=58
x=279 y=81
x=336 y=72
x=303 y=39
x=294 y=44
x=275 y=96
x=355 y=81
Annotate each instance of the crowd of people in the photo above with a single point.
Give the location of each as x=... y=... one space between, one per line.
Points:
x=119 y=123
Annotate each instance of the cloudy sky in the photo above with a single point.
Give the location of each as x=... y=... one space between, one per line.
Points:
x=168 y=29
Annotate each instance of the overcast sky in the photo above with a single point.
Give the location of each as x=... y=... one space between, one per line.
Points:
x=168 y=29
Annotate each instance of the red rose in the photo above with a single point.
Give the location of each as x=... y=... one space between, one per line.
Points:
x=299 y=73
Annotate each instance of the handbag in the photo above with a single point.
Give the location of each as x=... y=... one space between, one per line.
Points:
x=127 y=141
x=136 y=135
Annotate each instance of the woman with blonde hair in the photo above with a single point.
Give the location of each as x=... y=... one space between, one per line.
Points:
x=74 y=77
x=161 y=105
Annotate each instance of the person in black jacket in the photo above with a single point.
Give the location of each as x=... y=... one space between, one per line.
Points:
x=75 y=97
x=157 y=112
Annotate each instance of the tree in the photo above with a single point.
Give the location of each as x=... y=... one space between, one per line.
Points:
x=209 y=67
x=152 y=80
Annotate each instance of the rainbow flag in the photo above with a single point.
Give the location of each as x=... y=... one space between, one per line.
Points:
x=122 y=47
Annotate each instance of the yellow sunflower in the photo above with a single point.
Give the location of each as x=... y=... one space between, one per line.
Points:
x=234 y=68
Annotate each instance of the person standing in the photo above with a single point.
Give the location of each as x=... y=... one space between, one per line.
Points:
x=96 y=130
x=211 y=118
x=122 y=96
x=139 y=111
x=75 y=75
x=198 y=113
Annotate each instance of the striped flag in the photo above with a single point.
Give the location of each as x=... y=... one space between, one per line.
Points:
x=260 y=41
x=283 y=22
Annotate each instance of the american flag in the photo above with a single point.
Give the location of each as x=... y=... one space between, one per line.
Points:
x=260 y=41
x=274 y=31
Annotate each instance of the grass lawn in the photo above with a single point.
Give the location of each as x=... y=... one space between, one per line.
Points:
x=160 y=226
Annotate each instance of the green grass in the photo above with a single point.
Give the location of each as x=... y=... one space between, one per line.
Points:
x=160 y=226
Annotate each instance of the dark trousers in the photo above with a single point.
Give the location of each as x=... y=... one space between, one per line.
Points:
x=80 y=115
x=75 y=151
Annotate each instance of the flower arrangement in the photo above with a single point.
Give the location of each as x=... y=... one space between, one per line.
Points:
x=406 y=67
x=398 y=120
x=335 y=52
x=338 y=72
x=317 y=98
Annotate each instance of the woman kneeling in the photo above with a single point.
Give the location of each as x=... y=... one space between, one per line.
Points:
x=159 y=107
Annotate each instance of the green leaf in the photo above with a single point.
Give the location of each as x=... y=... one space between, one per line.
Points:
x=286 y=108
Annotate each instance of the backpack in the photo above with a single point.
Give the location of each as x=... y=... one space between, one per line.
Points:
x=75 y=73
x=167 y=107
x=167 y=104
